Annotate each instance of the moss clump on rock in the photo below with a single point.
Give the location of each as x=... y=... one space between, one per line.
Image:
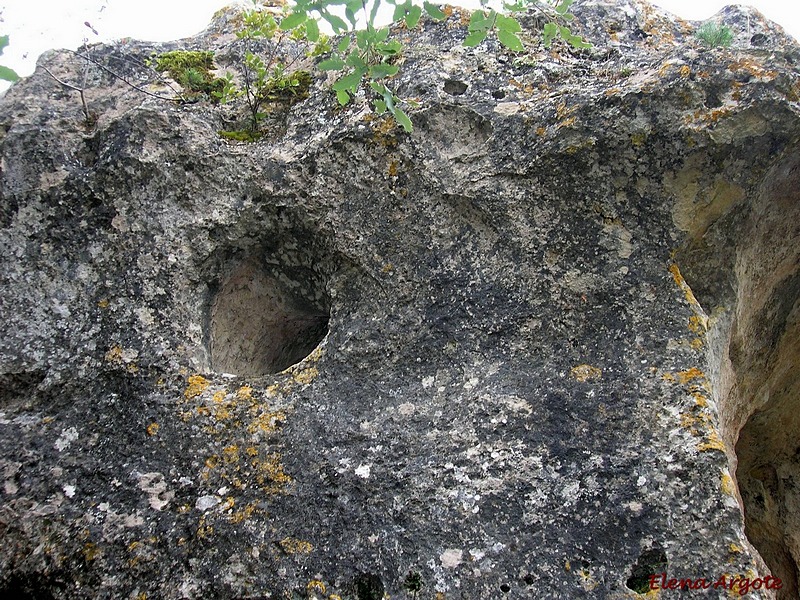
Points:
x=192 y=70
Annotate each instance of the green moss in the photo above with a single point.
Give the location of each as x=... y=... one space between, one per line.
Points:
x=191 y=69
x=242 y=135
x=289 y=88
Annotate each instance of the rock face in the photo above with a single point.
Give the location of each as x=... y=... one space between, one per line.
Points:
x=544 y=346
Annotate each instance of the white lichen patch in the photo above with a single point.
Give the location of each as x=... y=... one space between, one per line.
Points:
x=66 y=438
x=451 y=558
x=154 y=485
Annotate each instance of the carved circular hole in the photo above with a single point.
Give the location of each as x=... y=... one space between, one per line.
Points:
x=266 y=318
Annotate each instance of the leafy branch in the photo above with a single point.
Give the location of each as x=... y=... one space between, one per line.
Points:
x=6 y=74
x=367 y=53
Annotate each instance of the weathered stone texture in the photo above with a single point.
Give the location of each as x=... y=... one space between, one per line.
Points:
x=551 y=335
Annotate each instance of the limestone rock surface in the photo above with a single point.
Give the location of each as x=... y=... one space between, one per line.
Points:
x=543 y=346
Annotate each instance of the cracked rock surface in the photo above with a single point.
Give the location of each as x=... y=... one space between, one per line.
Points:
x=544 y=346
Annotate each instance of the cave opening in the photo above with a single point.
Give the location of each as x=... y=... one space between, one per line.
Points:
x=755 y=353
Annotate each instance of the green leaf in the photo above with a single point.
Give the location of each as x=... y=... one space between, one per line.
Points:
x=354 y=60
x=434 y=12
x=403 y=119
x=343 y=97
x=354 y=5
x=412 y=18
x=378 y=87
x=382 y=70
x=564 y=6
x=380 y=106
x=8 y=74
x=373 y=15
x=312 y=30
x=549 y=32
x=509 y=24
x=337 y=23
x=3 y=42
x=343 y=45
x=510 y=40
x=350 y=16
x=293 y=20
x=382 y=34
x=578 y=42
x=480 y=21
x=399 y=12
x=389 y=48
x=475 y=38
x=332 y=64
x=349 y=82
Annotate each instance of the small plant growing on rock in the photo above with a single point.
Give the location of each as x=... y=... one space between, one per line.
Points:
x=413 y=583
x=267 y=76
x=714 y=35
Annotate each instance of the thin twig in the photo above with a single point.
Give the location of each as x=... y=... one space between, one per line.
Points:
x=122 y=79
x=72 y=87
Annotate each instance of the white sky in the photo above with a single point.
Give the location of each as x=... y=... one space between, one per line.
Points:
x=35 y=26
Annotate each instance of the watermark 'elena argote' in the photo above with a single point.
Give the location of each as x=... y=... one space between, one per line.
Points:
x=736 y=583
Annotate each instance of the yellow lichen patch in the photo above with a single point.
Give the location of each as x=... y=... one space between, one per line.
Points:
x=197 y=385
x=748 y=65
x=566 y=123
x=698 y=324
x=681 y=282
x=638 y=139
x=90 y=551
x=242 y=515
x=244 y=393
x=726 y=484
x=392 y=170
x=266 y=422
x=270 y=475
x=306 y=376
x=230 y=454
x=204 y=530
x=541 y=131
x=668 y=377
x=153 y=428
x=114 y=355
x=251 y=451
x=584 y=373
x=103 y=303
x=699 y=396
x=696 y=344
x=685 y=71
x=714 y=442
x=734 y=548
x=315 y=585
x=690 y=374
x=292 y=545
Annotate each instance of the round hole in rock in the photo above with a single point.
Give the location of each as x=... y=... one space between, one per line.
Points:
x=264 y=319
